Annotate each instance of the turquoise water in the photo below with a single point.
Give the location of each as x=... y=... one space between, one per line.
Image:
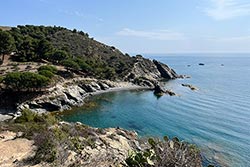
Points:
x=216 y=117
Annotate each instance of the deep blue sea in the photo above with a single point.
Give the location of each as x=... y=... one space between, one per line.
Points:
x=216 y=117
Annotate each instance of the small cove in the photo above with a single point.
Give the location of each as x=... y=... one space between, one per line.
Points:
x=216 y=117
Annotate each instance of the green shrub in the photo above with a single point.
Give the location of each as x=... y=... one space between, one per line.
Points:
x=70 y=64
x=46 y=73
x=58 y=55
x=52 y=69
x=25 y=81
x=1 y=79
x=27 y=116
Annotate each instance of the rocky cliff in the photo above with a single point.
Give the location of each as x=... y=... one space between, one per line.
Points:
x=146 y=72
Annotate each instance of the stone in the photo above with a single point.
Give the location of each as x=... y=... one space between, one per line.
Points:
x=190 y=86
x=158 y=90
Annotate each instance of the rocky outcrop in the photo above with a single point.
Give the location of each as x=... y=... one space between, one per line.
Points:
x=160 y=91
x=191 y=87
x=71 y=93
x=146 y=72
x=165 y=71
x=111 y=148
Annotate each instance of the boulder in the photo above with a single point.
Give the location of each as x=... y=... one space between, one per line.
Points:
x=158 y=90
x=190 y=86
x=103 y=86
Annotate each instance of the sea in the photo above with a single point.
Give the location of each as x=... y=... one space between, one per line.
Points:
x=216 y=117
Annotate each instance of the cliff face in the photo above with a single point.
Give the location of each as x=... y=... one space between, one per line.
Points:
x=146 y=72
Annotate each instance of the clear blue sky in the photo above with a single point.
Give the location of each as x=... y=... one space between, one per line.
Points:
x=143 y=26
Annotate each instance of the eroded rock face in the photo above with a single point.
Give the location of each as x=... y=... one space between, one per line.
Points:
x=68 y=94
x=63 y=96
x=146 y=72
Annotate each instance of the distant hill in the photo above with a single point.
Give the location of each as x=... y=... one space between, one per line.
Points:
x=72 y=48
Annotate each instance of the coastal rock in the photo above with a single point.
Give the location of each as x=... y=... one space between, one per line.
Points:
x=184 y=76
x=103 y=86
x=165 y=71
x=190 y=86
x=68 y=94
x=170 y=93
x=146 y=72
x=158 y=90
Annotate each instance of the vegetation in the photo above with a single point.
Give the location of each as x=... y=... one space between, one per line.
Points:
x=47 y=71
x=25 y=81
x=72 y=49
x=52 y=138
x=6 y=43
x=52 y=69
x=165 y=153
x=71 y=64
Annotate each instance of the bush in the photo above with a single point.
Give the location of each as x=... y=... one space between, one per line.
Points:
x=27 y=116
x=1 y=79
x=46 y=73
x=25 y=81
x=165 y=153
x=52 y=69
x=70 y=64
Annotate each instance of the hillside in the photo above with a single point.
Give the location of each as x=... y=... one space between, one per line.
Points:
x=75 y=50
x=38 y=59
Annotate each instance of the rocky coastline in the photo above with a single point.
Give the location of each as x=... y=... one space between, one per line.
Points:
x=71 y=92
x=68 y=94
x=98 y=147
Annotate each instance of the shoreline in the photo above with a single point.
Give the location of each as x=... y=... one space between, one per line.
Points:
x=7 y=114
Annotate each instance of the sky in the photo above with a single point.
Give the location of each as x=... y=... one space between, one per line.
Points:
x=143 y=26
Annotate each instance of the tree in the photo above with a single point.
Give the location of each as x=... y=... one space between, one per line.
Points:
x=58 y=55
x=27 y=50
x=43 y=47
x=70 y=64
x=6 y=43
x=25 y=81
x=12 y=80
